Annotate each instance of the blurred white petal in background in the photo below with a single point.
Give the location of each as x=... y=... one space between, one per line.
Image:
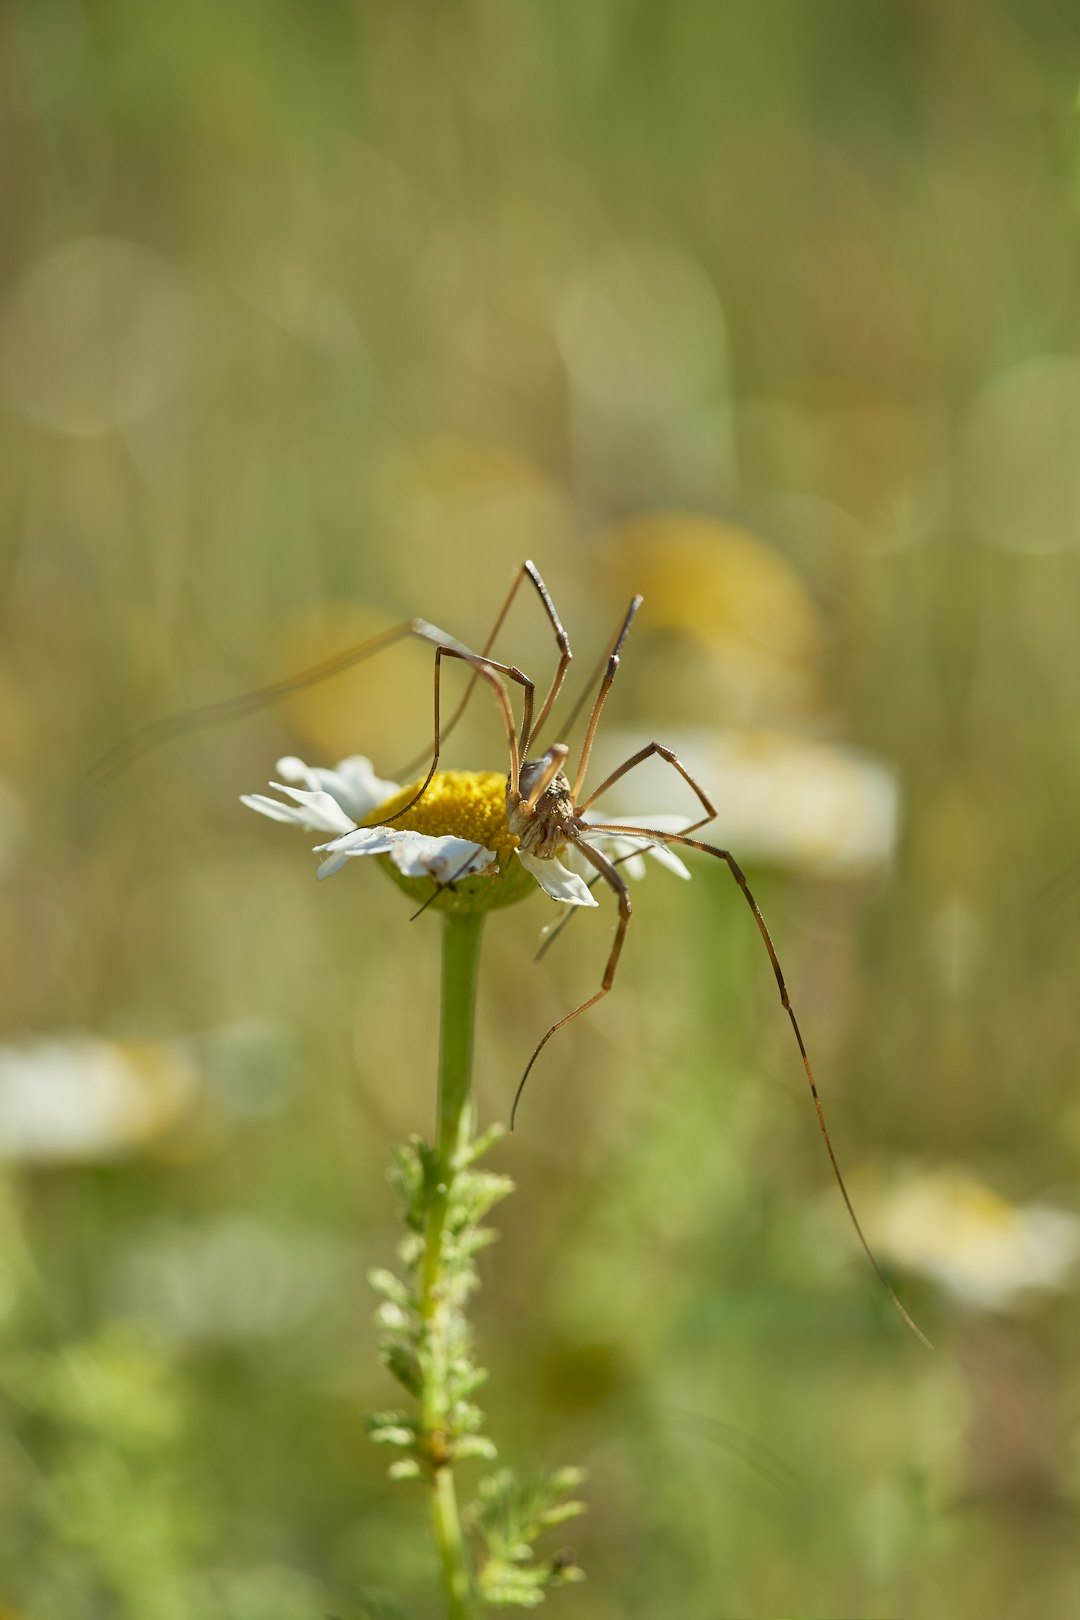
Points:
x=780 y=798
x=77 y=1098
x=986 y=1252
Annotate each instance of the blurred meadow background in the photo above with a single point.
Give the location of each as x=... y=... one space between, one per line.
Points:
x=316 y=317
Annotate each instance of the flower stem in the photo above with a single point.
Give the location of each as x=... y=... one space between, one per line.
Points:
x=461 y=957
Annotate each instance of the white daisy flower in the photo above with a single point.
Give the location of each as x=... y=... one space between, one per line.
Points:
x=339 y=800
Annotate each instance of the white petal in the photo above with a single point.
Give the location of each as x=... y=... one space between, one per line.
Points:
x=634 y=867
x=352 y=782
x=319 y=811
x=316 y=811
x=363 y=841
x=667 y=857
x=292 y=769
x=660 y=852
x=622 y=850
x=414 y=854
x=332 y=864
x=272 y=808
x=557 y=880
x=445 y=858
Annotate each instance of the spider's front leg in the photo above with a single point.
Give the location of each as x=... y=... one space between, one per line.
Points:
x=490 y=670
x=660 y=751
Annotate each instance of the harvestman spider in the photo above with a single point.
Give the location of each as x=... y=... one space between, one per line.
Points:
x=544 y=810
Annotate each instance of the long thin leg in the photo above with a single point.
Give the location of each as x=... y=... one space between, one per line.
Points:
x=171 y=726
x=565 y=655
x=583 y=696
x=612 y=878
x=667 y=754
x=605 y=687
x=740 y=878
x=489 y=670
x=528 y=570
x=571 y=911
x=628 y=765
x=440 y=888
x=558 y=753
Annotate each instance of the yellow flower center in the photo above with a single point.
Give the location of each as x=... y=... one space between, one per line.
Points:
x=460 y=804
x=457 y=804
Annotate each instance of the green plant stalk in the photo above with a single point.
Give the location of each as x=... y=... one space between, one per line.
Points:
x=461 y=958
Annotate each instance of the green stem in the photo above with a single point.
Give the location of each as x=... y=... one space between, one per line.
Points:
x=461 y=957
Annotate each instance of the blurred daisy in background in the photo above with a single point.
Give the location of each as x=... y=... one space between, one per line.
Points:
x=985 y=1252
x=79 y=1098
x=756 y=666
x=780 y=798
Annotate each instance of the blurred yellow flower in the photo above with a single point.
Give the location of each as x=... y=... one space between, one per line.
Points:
x=736 y=595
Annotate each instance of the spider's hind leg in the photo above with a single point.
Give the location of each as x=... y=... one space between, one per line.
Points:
x=611 y=877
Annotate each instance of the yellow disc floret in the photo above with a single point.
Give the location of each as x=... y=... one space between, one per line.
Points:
x=456 y=804
x=460 y=804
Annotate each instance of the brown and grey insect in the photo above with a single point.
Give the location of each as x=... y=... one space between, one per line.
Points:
x=545 y=806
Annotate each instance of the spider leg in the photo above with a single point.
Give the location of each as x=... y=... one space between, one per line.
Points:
x=628 y=765
x=571 y=911
x=739 y=875
x=607 y=871
x=490 y=670
x=528 y=570
x=171 y=726
x=601 y=696
x=167 y=729
x=565 y=655
x=672 y=759
x=440 y=888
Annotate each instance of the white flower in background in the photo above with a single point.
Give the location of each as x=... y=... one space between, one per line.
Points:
x=76 y=1098
x=985 y=1251
x=337 y=800
x=781 y=798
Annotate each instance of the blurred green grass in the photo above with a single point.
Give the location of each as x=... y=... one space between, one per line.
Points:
x=318 y=317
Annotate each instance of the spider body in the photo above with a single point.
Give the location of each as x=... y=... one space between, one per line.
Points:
x=540 y=812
